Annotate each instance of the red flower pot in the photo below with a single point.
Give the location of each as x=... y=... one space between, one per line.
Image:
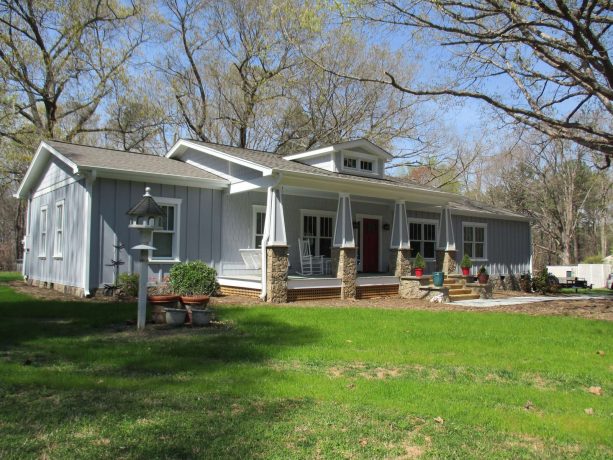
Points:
x=419 y=271
x=465 y=271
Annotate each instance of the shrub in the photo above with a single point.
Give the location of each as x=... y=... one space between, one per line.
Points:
x=419 y=261
x=482 y=270
x=545 y=282
x=592 y=260
x=525 y=282
x=193 y=278
x=466 y=262
x=128 y=283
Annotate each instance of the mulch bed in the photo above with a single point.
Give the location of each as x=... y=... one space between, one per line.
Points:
x=601 y=309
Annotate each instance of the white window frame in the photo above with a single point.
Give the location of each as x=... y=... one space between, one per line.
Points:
x=176 y=202
x=434 y=222
x=357 y=156
x=480 y=225
x=318 y=215
x=58 y=234
x=43 y=224
x=257 y=208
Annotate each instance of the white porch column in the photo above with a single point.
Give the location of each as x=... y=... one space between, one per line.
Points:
x=344 y=257
x=400 y=245
x=274 y=249
x=446 y=247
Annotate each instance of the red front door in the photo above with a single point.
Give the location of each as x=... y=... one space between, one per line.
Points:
x=370 y=249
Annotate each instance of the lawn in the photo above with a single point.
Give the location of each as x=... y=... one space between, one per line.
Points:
x=585 y=291
x=268 y=382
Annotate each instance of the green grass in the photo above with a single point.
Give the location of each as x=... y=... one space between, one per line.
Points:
x=595 y=291
x=75 y=382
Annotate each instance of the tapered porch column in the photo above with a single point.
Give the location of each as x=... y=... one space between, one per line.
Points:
x=274 y=249
x=344 y=258
x=446 y=249
x=400 y=245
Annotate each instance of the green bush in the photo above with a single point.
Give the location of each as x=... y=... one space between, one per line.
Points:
x=193 y=278
x=592 y=260
x=419 y=261
x=482 y=270
x=128 y=283
x=466 y=262
x=545 y=283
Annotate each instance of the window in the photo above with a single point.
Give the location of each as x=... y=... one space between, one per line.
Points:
x=259 y=219
x=166 y=240
x=474 y=241
x=43 y=232
x=318 y=230
x=423 y=239
x=366 y=165
x=350 y=163
x=58 y=243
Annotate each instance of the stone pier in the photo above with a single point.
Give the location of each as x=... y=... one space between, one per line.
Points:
x=277 y=263
x=400 y=262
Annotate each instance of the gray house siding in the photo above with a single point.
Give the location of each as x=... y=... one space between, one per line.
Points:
x=57 y=184
x=198 y=231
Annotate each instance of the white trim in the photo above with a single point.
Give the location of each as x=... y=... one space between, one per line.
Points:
x=158 y=178
x=421 y=220
x=87 y=230
x=235 y=282
x=317 y=214
x=360 y=218
x=310 y=153
x=360 y=143
x=176 y=202
x=42 y=241
x=218 y=154
x=314 y=283
x=255 y=209
x=481 y=225
x=59 y=254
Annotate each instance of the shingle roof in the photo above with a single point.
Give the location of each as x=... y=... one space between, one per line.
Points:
x=96 y=157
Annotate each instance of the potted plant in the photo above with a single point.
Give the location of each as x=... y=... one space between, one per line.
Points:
x=466 y=264
x=161 y=298
x=483 y=276
x=419 y=265
x=194 y=281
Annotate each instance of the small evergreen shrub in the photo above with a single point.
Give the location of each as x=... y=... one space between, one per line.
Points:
x=128 y=283
x=466 y=262
x=419 y=261
x=545 y=283
x=482 y=270
x=193 y=278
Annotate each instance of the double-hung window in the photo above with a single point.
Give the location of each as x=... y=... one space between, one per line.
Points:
x=259 y=220
x=474 y=241
x=42 y=241
x=423 y=239
x=166 y=240
x=318 y=230
x=58 y=241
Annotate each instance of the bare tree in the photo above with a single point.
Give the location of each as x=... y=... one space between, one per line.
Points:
x=553 y=56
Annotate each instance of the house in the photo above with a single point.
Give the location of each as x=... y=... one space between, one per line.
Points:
x=240 y=210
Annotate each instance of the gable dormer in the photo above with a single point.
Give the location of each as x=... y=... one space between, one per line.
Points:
x=359 y=157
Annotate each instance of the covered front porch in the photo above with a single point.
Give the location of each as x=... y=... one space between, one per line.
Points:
x=363 y=241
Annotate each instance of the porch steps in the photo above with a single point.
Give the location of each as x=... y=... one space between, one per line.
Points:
x=456 y=297
x=459 y=291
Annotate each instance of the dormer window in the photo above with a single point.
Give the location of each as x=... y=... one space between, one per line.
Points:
x=350 y=163
x=365 y=165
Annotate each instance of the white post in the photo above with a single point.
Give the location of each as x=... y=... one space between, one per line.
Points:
x=142 y=290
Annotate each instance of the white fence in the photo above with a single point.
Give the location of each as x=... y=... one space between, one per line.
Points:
x=595 y=274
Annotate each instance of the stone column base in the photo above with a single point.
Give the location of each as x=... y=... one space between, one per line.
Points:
x=348 y=271
x=400 y=262
x=334 y=259
x=277 y=263
x=445 y=261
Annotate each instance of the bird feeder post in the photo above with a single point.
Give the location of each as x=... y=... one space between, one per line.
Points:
x=146 y=216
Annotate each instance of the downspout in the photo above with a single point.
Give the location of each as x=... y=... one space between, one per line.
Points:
x=87 y=232
x=266 y=235
x=25 y=273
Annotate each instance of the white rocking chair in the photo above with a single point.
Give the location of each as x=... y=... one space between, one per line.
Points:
x=309 y=264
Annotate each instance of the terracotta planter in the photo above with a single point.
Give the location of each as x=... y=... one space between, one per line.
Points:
x=195 y=301
x=160 y=303
x=483 y=278
x=419 y=271
x=466 y=271
x=163 y=298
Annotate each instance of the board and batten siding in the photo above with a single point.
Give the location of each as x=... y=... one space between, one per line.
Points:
x=57 y=183
x=199 y=228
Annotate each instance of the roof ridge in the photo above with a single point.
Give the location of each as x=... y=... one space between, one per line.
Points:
x=103 y=148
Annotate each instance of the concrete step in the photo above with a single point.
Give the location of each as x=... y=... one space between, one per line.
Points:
x=454 y=298
x=459 y=291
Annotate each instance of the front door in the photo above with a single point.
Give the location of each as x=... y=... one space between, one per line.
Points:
x=370 y=242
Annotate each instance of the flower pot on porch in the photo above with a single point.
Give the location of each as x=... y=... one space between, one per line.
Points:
x=175 y=316
x=465 y=271
x=419 y=271
x=483 y=278
x=438 y=278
